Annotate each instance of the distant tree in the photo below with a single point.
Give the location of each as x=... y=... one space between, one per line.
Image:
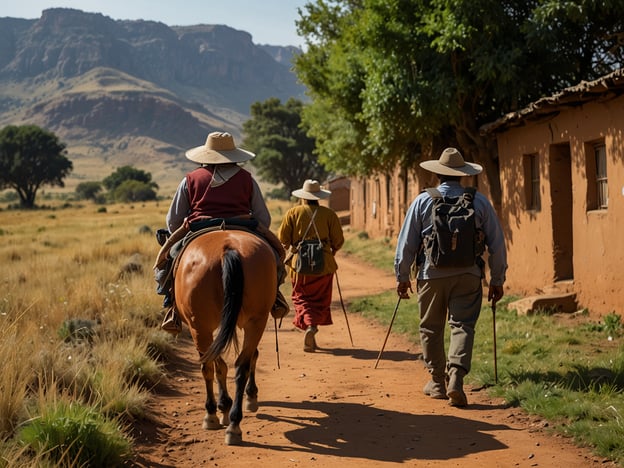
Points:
x=133 y=191
x=284 y=153
x=29 y=158
x=125 y=173
x=89 y=190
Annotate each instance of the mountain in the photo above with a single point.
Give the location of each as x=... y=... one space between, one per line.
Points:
x=122 y=92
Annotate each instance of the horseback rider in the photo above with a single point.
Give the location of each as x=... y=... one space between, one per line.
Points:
x=219 y=188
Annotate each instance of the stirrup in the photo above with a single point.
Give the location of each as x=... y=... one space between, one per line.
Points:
x=280 y=308
x=172 y=322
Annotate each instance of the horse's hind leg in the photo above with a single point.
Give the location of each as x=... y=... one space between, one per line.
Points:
x=252 y=389
x=225 y=402
x=210 y=420
x=233 y=433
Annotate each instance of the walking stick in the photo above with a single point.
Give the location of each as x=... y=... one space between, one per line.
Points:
x=343 y=307
x=494 y=330
x=388 y=334
x=276 y=345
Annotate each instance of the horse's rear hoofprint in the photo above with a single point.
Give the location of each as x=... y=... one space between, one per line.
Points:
x=226 y=280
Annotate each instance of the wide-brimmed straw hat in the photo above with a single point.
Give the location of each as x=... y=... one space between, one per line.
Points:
x=219 y=149
x=311 y=190
x=451 y=163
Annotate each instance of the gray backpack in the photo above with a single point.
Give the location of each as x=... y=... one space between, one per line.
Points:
x=454 y=240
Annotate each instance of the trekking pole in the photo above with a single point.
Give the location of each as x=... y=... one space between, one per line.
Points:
x=388 y=334
x=276 y=345
x=343 y=308
x=494 y=332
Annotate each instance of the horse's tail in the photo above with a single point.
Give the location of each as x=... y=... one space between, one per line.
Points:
x=233 y=282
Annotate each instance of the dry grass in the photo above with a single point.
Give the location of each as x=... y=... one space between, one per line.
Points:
x=70 y=266
x=79 y=314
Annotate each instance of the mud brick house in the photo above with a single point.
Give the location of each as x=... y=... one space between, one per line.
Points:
x=379 y=203
x=339 y=201
x=562 y=208
x=562 y=177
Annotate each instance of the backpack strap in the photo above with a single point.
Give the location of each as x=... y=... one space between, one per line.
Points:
x=434 y=193
x=312 y=223
x=471 y=191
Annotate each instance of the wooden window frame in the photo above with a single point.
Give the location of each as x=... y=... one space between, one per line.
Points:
x=597 y=177
x=531 y=164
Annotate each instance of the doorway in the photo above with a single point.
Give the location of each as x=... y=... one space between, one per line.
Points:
x=560 y=169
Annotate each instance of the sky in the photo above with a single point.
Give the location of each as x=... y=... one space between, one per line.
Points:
x=268 y=21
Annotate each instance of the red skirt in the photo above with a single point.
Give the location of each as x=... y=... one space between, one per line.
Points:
x=311 y=296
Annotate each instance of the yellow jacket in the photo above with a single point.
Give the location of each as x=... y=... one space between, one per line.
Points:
x=294 y=225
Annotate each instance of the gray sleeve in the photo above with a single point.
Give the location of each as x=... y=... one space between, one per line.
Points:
x=179 y=208
x=259 y=209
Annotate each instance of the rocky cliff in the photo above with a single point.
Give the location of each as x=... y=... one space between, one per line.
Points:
x=105 y=85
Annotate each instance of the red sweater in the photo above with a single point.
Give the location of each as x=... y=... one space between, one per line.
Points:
x=229 y=200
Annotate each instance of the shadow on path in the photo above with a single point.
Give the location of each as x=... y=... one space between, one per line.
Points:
x=362 y=431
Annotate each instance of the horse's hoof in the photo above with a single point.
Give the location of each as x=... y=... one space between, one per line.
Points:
x=233 y=436
x=211 y=422
x=251 y=405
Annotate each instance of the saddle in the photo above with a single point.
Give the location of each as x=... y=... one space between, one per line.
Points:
x=169 y=254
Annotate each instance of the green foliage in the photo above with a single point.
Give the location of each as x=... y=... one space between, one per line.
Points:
x=392 y=80
x=284 y=151
x=88 y=190
x=613 y=324
x=31 y=157
x=71 y=434
x=133 y=191
x=126 y=173
x=280 y=193
x=77 y=329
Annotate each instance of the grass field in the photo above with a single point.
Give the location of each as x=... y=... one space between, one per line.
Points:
x=81 y=349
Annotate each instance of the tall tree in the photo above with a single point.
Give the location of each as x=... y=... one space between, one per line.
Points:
x=397 y=76
x=284 y=152
x=29 y=158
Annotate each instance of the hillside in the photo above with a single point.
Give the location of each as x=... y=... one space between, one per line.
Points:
x=134 y=92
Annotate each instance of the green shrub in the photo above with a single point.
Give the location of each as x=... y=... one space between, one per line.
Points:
x=70 y=433
x=133 y=191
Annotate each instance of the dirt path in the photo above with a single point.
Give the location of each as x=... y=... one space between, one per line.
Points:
x=333 y=408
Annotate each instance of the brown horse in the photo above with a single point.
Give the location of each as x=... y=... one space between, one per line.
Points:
x=224 y=280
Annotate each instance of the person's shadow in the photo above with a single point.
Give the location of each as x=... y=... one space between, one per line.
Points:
x=362 y=431
x=371 y=355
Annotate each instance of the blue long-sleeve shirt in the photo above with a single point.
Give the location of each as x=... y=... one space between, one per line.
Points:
x=417 y=225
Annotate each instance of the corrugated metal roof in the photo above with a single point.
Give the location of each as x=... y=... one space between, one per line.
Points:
x=604 y=88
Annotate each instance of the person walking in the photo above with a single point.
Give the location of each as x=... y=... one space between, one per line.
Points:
x=311 y=293
x=449 y=292
x=219 y=190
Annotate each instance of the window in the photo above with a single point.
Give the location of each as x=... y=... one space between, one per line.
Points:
x=600 y=155
x=532 y=181
x=596 y=166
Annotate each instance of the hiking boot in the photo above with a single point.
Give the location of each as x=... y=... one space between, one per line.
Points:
x=309 y=343
x=280 y=308
x=435 y=390
x=455 y=390
x=172 y=323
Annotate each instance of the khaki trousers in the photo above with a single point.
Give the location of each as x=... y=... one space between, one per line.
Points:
x=458 y=300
